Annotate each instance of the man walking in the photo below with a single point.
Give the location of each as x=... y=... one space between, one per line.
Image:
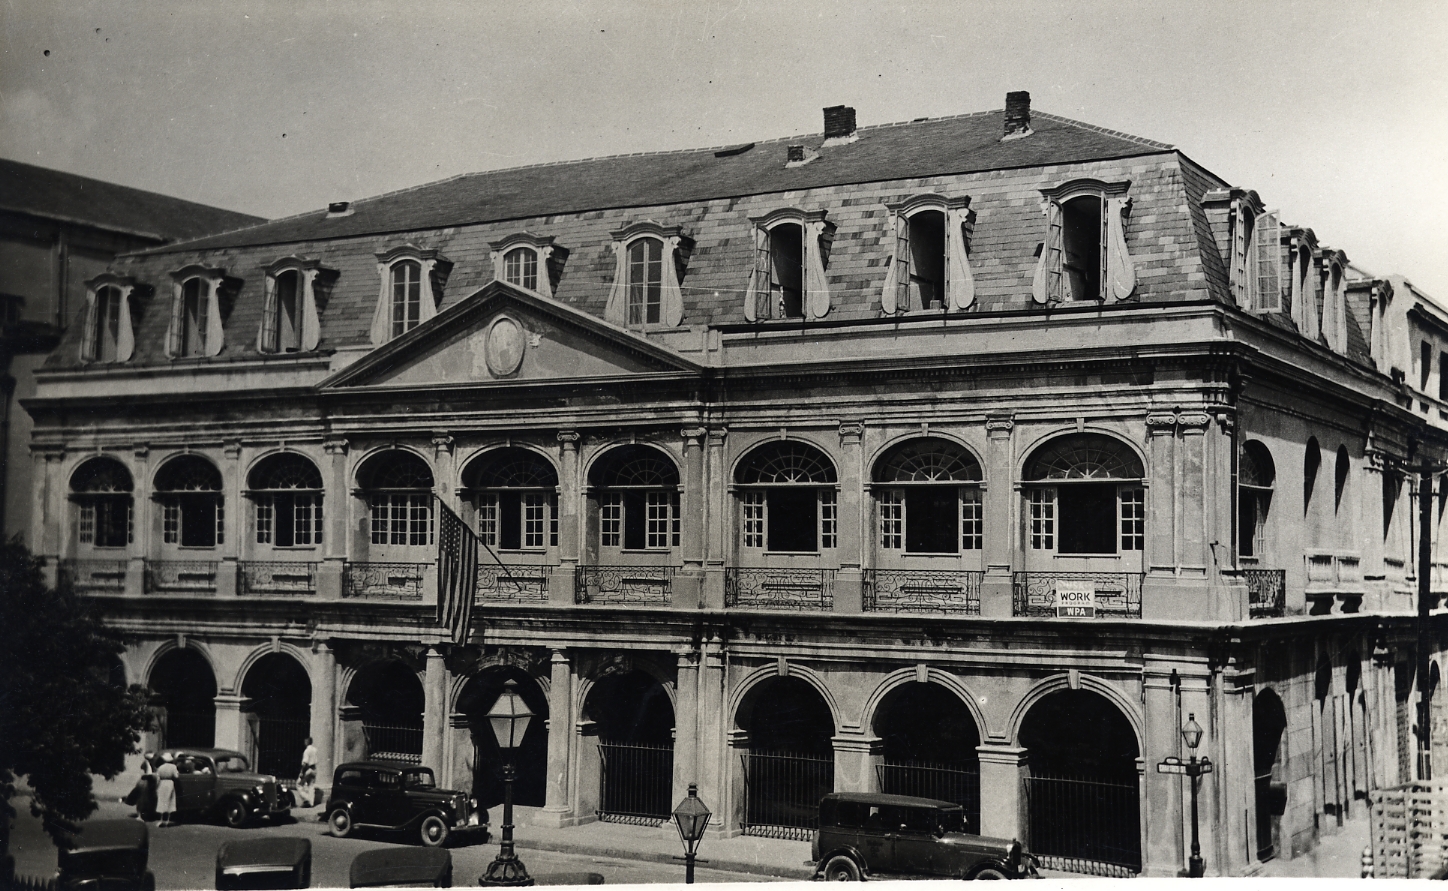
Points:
x=308 y=776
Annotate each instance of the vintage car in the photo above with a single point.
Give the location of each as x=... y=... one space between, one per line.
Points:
x=392 y=795
x=219 y=783
x=106 y=855
x=264 y=863
x=871 y=835
x=401 y=867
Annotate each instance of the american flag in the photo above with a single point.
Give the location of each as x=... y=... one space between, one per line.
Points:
x=457 y=573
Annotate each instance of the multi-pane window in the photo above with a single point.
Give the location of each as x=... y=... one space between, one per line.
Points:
x=286 y=490
x=787 y=492
x=972 y=522
x=892 y=519
x=285 y=334
x=753 y=506
x=107 y=324
x=194 y=295
x=398 y=488
x=1043 y=519
x=1133 y=518
x=929 y=499
x=520 y=267
x=101 y=488
x=514 y=493
x=1093 y=503
x=189 y=490
x=645 y=281
x=638 y=499
x=406 y=296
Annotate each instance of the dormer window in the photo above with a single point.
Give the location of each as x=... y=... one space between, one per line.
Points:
x=1300 y=266
x=520 y=267
x=412 y=281
x=1084 y=257
x=109 y=334
x=196 y=297
x=930 y=266
x=1256 y=267
x=648 y=267
x=791 y=252
x=527 y=261
x=1334 y=299
x=289 y=320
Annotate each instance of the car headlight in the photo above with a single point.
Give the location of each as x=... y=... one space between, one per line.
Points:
x=259 y=789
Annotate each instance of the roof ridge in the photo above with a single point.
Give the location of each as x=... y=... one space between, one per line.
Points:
x=111 y=184
x=1152 y=143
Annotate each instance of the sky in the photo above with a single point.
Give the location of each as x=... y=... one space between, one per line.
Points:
x=1336 y=112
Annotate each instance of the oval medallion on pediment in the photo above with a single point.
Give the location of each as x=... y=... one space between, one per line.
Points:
x=504 y=347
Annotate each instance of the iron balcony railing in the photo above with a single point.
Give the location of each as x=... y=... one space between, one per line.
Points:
x=783 y=589
x=279 y=578
x=96 y=576
x=181 y=576
x=623 y=584
x=922 y=591
x=1267 y=591
x=511 y=584
x=384 y=581
x=1114 y=595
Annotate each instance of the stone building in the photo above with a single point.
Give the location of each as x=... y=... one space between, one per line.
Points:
x=968 y=457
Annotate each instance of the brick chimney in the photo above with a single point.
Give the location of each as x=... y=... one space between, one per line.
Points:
x=839 y=124
x=1018 y=115
x=796 y=154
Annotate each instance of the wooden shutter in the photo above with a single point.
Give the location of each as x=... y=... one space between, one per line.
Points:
x=266 y=340
x=959 y=282
x=176 y=334
x=756 y=295
x=816 y=288
x=1046 y=287
x=895 y=296
x=1268 y=250
x=1241 y=292
x=88 y=332
x=125 y=329
x=1118 y=275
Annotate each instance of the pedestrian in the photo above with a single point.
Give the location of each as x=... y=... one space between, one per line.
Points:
x=147 y=769
x=308 y=775
x=166 y=788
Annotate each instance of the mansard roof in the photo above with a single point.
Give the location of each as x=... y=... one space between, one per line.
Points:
x=961 y=144
x=67 y=198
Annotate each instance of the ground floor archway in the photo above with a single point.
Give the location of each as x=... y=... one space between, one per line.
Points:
x=928 y=740
x=1269 y=722
x=530 y=760
x=184 y=689
x=789 y=760
x=279 y=713
x=1083 y=792
x=383 y=717
x=632 y=718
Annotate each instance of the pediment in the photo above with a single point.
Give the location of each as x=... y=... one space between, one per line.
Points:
x=502 y=334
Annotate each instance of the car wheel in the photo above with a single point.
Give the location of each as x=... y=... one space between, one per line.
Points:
x=339 y=823
x=841 y=869
x=235 y=813
x=990 y=872
x=433 y=831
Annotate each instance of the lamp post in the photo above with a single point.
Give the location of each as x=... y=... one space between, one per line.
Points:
x=692 y=817
x=509 y=718
x=1192 y=768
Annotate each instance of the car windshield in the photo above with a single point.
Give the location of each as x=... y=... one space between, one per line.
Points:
x=231 y=764
x=418 y=779
x=952 y=820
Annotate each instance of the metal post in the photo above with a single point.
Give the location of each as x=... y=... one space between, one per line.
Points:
x=1425 y=602
x=1195 y=867
x=689 y=868
x=507 y=869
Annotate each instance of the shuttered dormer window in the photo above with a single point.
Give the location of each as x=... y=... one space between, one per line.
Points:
x=1256 y=265
x=290 y=319
x=1084 y=256
x=649 y=263
x=528 y=261
x=930 y=264
x=412 y=282
x=791 y=253
x=1334 y=299
x=109 y=331
x=197 y=295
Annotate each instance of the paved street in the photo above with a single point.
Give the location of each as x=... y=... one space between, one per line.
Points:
x=183 y=856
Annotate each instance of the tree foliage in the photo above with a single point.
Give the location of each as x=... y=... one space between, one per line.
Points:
x=64 y=713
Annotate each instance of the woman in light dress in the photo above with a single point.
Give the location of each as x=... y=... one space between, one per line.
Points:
x=166 y=788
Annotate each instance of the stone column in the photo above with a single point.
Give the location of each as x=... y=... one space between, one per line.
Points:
x=1000 y=541
x=1235 y=779
x=324 y=713
x=335 y=511
x=718 y=520
x=587 y=786
x=850 y=518
x=231 y=722
x=1163 y=849
x=557 y=808
x=686 y=723
x=49 y=509
x=856 y=757
x=435 y=708
x=461 y=754
x=711 y=723
x=1003 y=772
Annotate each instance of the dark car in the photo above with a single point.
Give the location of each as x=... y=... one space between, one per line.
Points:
x=390 y=795
x=871 y=835
x=398 y=867
x=264 y=863
x=106 y=855
x=219 y=784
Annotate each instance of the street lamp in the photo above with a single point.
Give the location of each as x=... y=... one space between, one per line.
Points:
x=692 y=817
x=509 y=717
x=1193 y=768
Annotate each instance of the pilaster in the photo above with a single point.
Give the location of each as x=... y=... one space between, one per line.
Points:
x=857 y=755
x=850 y=520
x=335 y=514
x=1003 y=808
x=557 y=810
x=435 y=708
x=324 y=712
x=686 y=723
x=231 y=722
x=1163 y=844
x=718 y=520
x=996 y=595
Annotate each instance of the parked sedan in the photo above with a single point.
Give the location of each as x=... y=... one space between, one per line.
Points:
x=220 y=784
x=402 y=867
x=390 y=795
x=264 y=863
x=106 y=854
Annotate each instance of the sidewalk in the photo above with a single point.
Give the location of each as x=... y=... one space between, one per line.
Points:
x=1337 y=856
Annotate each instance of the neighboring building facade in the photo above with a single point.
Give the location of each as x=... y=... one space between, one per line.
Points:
x=790 y=464
x=58 y=230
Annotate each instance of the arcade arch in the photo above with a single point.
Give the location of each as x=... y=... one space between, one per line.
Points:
x=1269 y=724
x=530 y=760
x=279 y=713
x=631 y=718
x=928 y=740
x=184 y=689
x=787 y=758
x=383 y=713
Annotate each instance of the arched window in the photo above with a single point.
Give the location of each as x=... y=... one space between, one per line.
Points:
x=929 y=501
x=287 y=492
x=1085 y=496
x=193 y=317
x=787 y=494
x=649 y=265
x=791 y=250
x=406 y=296
x=1256 y=475
x=398 y=488
x=528 y=261
x=929 y=268
x=1311 y=463
x=189 y=490
x=514 y=493
x=1340 y=476
x=1084 y=256
x=104 y=333
x=520 y=267
x=637 y=487
x=412 y=284
x=101 y=489
x=645 y=281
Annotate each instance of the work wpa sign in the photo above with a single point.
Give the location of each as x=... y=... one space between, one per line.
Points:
x=1075 y=599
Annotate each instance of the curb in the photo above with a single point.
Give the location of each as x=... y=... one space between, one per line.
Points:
x=800 y=872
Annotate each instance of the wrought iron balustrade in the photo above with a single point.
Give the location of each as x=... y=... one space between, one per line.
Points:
x=96 y=576
x=1267 y=591
x=384 y=581
x=181 y=576
x=1117 y=594
x=511 y=584
x=276 y=578
x=786 y=589
x=623 y=584
x=922 y=591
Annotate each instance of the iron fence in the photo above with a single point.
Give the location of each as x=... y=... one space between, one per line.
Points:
x=1267 y=591
x=188 y=728
x=96 y=576
x=638 y=781
x=384 y=581
x=1085 y=826
x=922 y=591
x=181 y=576
x=393 y=742
x=623 y=584
x=1117 y=594
x=782 y=792
x=957 y=783
x=279 y=743
x=515 y=584
x=788 y=589
x=276 y=578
